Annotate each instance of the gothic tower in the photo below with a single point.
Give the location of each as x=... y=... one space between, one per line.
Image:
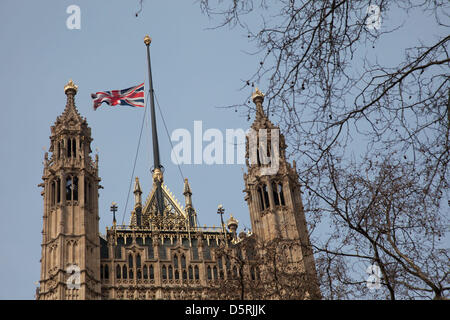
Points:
x=70 y=263
x=273 y=194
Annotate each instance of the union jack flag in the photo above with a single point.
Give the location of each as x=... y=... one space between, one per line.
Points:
x=133 y=97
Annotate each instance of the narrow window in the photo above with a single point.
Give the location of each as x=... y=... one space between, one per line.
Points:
x=197 y=273
x=58 y=190
x=175 y=261
x=170 y=270
x=52 y=193
x=184 y=275
x=138 y=260
x=183 y=261
x=215 y=272
x=152 y=275
x=177 y=275
x=164 y=272
x=266 y=197
x=68 y=188
x=138 y=274
x=124 y=271
x=275 y=194
x=101 y=271
x=260 y=197
x=74 y=147
x=252 y=273
x=131 y=273
x=69 y=148
x=106 y=272
x=191 y=275
x=130 y=261
x=118 y=276
x=75 y=188
x=209 y=273
x=235 y=274
x=280 y=192
x=145 y=272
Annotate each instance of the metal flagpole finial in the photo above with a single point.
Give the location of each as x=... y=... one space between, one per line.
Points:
x=147 y=40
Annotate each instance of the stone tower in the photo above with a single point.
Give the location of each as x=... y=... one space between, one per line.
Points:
x=273 y=194
x=70 y=235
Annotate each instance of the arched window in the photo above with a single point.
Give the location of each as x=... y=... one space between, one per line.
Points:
x=191 y=275
x=124 y=271
x=58 y=151
x=138 y=260
x=106 y=272
x=275 y=194
x=138 y=274
x=183 y=261
x=118 y=276
x=58 y=190
x=145 y=270
x=130 y=261
x=131 y=273
x=175 y=261
x=69 y=148
x=152 y=275
x=266 y=197
x=215 y=273
x=280 y=192
x=69 y=188
x=177 y=275
x=260 y=198
x=74 y=148
x=184 y=275
x=170 y=270
x=197 y=273
x=75 y=188
x=164 y=272
x=53 y=193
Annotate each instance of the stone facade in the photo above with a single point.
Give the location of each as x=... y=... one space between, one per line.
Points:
x=157 y=256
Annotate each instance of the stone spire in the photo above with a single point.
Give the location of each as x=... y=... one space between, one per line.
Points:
x=137 y=193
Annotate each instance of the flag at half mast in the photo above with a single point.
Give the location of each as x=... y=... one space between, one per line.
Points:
x=132 y=97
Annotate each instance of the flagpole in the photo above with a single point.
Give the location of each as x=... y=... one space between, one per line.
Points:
x=157 y=173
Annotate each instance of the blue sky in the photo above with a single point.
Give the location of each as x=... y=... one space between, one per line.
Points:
x=195 y=71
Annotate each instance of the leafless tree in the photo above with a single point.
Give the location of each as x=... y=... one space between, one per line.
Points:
x=370 y=135
x=263 y=270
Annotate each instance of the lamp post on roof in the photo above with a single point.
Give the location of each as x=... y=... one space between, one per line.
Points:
x=113 y=210
x=221 y=211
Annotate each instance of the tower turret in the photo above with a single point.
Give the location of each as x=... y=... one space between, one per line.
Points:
x=273 y=192
x=70 y=237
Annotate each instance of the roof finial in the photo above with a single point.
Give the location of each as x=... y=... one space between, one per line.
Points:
x=257 y=95
x=70 y=86
x=147 y=40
